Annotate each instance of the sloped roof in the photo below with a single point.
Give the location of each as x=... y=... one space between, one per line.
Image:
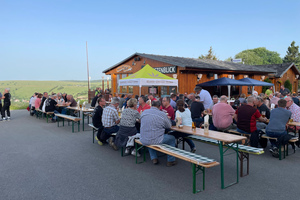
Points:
x=198 y=63
x=280 y=69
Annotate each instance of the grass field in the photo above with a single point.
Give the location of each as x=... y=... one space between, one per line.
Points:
x=21 y=91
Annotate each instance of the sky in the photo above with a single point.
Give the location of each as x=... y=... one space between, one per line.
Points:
x=46 y=40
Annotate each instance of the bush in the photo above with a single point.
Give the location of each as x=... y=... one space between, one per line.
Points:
x=264 y=88
x=288 y=85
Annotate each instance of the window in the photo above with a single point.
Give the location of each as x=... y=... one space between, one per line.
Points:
x=173 y=89
x=216 y=76
x=164 y=90
x=124 y=88
x=130 y=89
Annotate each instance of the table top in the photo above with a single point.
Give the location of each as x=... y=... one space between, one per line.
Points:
x=81 y=109
x=61 y=105
x=294 y=123
x=220 y=136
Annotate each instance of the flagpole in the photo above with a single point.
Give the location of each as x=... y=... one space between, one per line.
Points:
x=87 y=63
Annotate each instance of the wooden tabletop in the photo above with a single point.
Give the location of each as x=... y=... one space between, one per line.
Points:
x=294 y=123
x=220 y=136
x=81 y=109
x=61 y=105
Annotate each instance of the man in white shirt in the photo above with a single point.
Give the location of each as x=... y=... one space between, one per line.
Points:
x=205 y=97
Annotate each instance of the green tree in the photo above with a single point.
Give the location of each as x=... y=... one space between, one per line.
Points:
x=292 y=54
x=259 y=56
x=210 y=55
x=288 y=85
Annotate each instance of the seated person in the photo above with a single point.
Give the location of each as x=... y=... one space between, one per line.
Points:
x=122 y=100
x=246 y=117
x=45 y=96
x=295 y=99
x=110 y=119
x=278 y=121
x=196 y=111
x=153 y=125
x=291 y=106
x=71 y=101
x=186 y=120
x=127 y=125
x=143 y=105
x=167 y=108
x=94 y=101
x=60 y=100
x=222 y=115
x=173 y=101
x=38 y=100
x=50 y=104
x=97 y=117
x=259 y=102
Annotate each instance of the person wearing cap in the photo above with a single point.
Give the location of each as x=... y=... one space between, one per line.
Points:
x=205 y=97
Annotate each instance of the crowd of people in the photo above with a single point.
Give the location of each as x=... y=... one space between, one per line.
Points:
x=151 y=117
x=48 y=103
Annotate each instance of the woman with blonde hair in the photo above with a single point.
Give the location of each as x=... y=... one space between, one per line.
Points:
x=127 y=124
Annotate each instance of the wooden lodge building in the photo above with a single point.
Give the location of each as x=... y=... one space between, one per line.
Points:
x=192 y=71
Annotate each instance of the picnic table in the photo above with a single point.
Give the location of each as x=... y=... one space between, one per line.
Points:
x=84 y=111
x=228 y=140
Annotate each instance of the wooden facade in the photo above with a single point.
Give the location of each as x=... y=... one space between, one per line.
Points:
x=289 y=75
x=188 y=78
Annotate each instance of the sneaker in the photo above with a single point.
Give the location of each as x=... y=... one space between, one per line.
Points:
x=100 y=143
x=4 y=119
x=114 y=146
x=110 y=141
x=96 y=138
x=170 y=164
x=193 y=150
x=127 y=151
x=137 y=153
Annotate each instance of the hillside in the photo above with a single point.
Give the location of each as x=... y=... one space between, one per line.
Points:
x=21 y=91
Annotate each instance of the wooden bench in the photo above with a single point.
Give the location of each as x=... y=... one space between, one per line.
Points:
x=40 y=114
x=198 y=162
x=285 y=147
x=244 y=151
x=75 y=120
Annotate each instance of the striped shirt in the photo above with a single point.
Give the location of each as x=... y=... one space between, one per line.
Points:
x=153 y=125
x=110 y=116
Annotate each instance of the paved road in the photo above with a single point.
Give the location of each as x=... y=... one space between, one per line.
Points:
x=43 y=161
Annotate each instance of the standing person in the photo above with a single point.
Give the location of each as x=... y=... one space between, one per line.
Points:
x=127 y=125
x=1 y=106
x=153 y=125
x=278 y=122
x=205 y=97
x=122 y=100
x=97 y=118
x=6 y=104
x=269 y=91
x=110 y=119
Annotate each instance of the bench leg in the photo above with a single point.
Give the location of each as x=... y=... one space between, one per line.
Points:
x=195 y=169
x=78 y=126
x=72 y=127
x=136 y=150
x=93 y=135
x=57 y=121
x=242 y=157
x=82 y=121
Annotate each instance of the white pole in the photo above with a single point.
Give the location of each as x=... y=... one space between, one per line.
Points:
x=228 y=91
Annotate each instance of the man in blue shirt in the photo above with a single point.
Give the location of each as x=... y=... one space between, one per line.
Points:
x=153 y=125
x=277 y=126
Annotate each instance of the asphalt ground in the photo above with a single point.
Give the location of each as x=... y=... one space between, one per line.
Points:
x=39 y=160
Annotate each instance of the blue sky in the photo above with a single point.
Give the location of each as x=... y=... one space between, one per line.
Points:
x=45 y=40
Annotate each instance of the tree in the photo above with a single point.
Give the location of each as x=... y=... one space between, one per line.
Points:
x=259 y=56
x=288 y=85
x=210 y=55
x=292 y=54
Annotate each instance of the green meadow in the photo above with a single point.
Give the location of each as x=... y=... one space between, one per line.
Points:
x=21 y=91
